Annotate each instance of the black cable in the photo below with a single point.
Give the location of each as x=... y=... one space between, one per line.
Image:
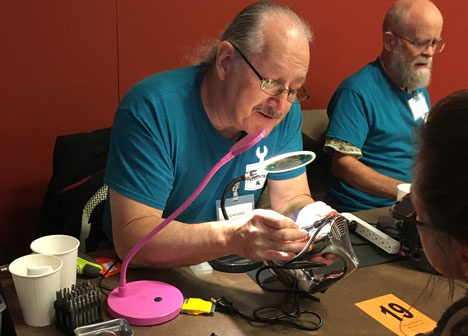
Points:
x=286 y=317
x=296 y=265
x=233 y=263
x=319 y=225
x=225 y=192
x=293 y=293
x=102 y=288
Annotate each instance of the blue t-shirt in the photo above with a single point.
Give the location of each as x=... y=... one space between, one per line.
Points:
x=163 y=145
x=369 y=111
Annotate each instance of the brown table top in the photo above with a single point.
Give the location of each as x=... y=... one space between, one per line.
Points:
x=336 y=306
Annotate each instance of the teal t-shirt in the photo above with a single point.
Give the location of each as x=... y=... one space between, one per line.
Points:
x=163 y=145
x=369 y=111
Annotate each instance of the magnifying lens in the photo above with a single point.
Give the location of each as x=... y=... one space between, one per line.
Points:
x=289 y=161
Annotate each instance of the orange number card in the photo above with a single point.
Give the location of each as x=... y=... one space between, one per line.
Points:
x=397 y=315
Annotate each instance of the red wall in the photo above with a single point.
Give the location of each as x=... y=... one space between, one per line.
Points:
x=65 y=64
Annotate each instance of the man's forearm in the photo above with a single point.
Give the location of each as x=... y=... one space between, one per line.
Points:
x=291 y=206
x=364 y=178
x=260 y=235
x=178 y=244
x=289 y=195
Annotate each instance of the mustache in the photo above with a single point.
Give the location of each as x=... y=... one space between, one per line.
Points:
x=268 y=110
x=425 y=60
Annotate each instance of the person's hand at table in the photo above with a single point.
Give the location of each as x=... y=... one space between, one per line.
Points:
x=310 y=214
x=267 y=235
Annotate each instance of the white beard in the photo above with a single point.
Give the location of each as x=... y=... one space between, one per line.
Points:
x=406 y=76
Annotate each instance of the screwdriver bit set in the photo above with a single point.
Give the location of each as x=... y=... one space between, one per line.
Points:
x=79 y=306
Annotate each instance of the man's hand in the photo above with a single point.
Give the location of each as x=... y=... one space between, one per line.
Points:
x=268 y=235
x=310 y=214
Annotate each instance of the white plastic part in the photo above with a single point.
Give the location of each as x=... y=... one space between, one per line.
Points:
x=203 y=268
x=374 y=235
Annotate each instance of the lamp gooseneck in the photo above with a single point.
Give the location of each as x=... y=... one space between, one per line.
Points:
x=152 y=302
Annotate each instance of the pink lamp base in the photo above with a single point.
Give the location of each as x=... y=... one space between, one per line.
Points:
x=145 y=302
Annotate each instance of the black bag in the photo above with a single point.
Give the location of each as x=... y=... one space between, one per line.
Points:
x=79 y=163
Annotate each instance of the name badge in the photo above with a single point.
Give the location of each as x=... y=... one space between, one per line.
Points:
x=258 y=181
x=418 y=106
x=236 y=207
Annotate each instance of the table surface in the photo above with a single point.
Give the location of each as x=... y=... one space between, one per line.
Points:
x=336 y=306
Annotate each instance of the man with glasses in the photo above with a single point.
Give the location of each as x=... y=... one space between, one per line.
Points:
x=375 y=112
x=173 y=127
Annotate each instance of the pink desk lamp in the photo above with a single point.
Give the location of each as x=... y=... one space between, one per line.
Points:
x=147 y=302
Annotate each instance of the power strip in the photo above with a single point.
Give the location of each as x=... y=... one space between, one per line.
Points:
x=374 y=235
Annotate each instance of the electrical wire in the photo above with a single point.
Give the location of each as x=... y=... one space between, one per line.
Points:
x=102 y=288
x=225 y=192
x=291 y=315
x=286 y=318
x=233 y=263
x=319 y=225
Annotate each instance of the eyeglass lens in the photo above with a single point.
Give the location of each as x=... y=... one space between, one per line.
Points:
x=275 y=88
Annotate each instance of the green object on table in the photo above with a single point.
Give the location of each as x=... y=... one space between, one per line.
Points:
x=88 y=266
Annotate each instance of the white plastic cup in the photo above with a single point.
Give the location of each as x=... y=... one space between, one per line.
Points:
x=37 y=279
x=402 y=190
x=66 y=248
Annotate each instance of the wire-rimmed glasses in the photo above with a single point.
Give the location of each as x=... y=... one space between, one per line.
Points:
x=274 y=87
x=437 y=45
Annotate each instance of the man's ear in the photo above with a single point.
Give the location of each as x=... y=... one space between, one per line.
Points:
x=388 y=41
x=224 y=59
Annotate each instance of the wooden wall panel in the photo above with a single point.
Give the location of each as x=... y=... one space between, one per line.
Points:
x=58 y=70
x=155 y=37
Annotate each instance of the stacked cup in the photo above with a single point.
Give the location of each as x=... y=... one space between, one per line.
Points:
x=402 y=190
x=38 y=276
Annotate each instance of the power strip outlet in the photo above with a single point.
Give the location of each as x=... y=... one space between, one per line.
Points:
x=374 y=235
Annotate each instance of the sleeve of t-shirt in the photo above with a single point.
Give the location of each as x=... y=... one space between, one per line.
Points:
x=348 y=118
x=139 y=165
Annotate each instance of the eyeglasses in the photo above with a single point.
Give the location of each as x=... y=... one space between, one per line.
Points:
x=274 y=87
x=436 y=45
